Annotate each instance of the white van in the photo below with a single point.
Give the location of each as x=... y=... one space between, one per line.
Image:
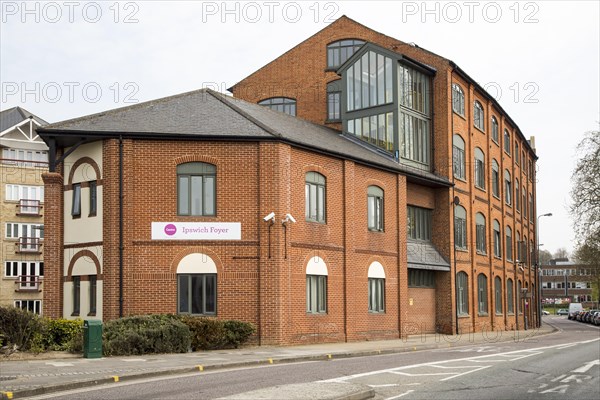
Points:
x=573 y=307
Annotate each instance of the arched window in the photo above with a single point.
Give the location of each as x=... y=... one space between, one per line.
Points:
x=509 y=246
x=495 y=129
x=516 y=152
x=510 y=297
x=478 y=116
x=524 y=203
x=482 y=293
x=315 y=197
x=498 y=294
x=517 y=196
x=316 y=286
x=479 y=168
x=497 y=239
x=196 y=189
x=460 y=227
x=458 y=100
x=375 y=208
x=507 y=187
x=376 y=288
x=338 y=52
x=519 y=294
x=334 y=93
x=458 y=156
x=462 y=292
x=197 y=285
x=525 y=250
x=281 y=104
x=506 y=141
x=495 y=178
x=519 y=247
x=480 y=231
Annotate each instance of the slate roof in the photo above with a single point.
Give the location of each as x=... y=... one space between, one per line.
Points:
x=15 y=115
x=423 y=255
x=205 y=114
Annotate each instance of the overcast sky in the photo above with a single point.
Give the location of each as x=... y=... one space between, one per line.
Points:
x=540 y=59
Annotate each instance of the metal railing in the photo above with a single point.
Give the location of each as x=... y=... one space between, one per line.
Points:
x=29 y=283
x=29 y=207
x=29 y=245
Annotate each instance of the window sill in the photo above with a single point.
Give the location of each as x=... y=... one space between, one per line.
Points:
x=510 y=314
x=92 y=314
x=316 y=222
x=481 y=188
x=481 y=253
x=464 y=316
x=376 y=230
x=376 y=312
x=495 y=142
x=483 y=314
x=75 y=314
x=333 y=121
x=91 y=215
x=464 y=180
x=459 y=114
x=76 y=216
x=479 y=129
x=497 y=257
x=499 y=314
x=461 y=249
x=316 y=314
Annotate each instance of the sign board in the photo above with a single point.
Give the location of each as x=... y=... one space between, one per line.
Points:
x=196 y=231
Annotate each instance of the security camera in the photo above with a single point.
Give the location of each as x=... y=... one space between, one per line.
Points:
x=288 y=217
x=269 y=217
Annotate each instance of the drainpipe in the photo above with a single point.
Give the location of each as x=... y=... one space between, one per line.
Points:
x=120 y=226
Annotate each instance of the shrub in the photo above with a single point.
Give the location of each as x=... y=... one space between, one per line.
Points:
x=211 y=333
x=61 y=333
x=21 y=328
x=238 y=332
x=145 y=334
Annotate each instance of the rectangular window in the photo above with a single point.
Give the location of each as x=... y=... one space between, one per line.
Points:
x=316 y=294
x=497 y=241
x=22 y=192
x=315 y=201
x=76 y=206
x=419 y=223
x=376 y=129
x=76 y=295
x=197 y=294
x=421 y=278
x=482 y=294
x=376 y=295
x=509 y=249
x=375 y=212
x=460 y=233
x=480 y=238
x=509 y=297
x=93 y=294
x=333 y=106
x=458 y=162
x=479 y=174
x=93 y=198
x=495 y=183
x=34 y=306
x=462 y=302
x=414 y=134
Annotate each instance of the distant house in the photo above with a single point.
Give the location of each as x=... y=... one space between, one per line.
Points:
x=567 y=281
x=24 y=156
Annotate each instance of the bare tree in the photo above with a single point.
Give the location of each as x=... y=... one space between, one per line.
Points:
x=561 y=253
x=545 y=257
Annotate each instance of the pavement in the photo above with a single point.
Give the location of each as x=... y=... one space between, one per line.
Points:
x=30 y=377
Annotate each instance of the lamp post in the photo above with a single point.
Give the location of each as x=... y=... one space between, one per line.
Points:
x=538 y=274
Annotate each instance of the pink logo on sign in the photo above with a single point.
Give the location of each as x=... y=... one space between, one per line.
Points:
x=170 y=229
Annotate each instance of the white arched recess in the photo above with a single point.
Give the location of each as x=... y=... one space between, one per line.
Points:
x=376 y=270
x=316 y=266
x=196 y=263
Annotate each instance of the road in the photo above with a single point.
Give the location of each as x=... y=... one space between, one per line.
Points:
x=563 y=365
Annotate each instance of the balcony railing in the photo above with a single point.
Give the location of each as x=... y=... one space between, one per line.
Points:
x=29 y=207
x=29 y=245
x=29 y=283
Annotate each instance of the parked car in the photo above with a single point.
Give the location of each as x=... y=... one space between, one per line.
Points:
x=596 y=319
x=574 y=307
x=563 y=311
x=589 y=315
x=544 y=312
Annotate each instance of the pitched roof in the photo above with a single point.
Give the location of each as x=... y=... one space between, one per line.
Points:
x=16 y=115
x=205 y=114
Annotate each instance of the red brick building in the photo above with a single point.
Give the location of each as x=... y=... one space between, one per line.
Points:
x=368 y=222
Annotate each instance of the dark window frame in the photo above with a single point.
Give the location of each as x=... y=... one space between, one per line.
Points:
x=316 y=294
x=205 y=172
x=190 y=300
x=76 y=201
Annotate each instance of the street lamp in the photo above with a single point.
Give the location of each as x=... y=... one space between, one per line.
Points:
x=538 y=269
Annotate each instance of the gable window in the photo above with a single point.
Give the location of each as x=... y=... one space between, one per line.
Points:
x=507 y=187
x=419 y=223
x=497 y=240
x=315 y=197
x=510 y=308
x=316 y=286
x=338 y=52
x=498 y=294
x=281 y=104
x=76 y=204
x=458 y=157
x=482 y=293
x=495 y=179
x=506 y=141
x=334 y=93
x=458 y=100
x=376 y=288
x=460 y=228
x=495 y=130
x=93 y=198
x=509 y=244
x=375 y=208
x=462 y=302
x=478 y=116
x=480 y=233
x=479 y=168
x=196 y=189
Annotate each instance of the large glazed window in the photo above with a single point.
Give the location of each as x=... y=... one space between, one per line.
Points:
x=197 y=285
x=281 y=104
x=498 y=294
x=460 y=228
x=419 y=223
x=376 y=288
x=509 y=244
x=507 y=187
x=462 y=302
x=375 y=129
x=480 y=232
x=458 y=157
x=196 y=189
x=495 y=179
x=415 y=113
x=315 y=197
x=316 y=286
x=334 y=95
x=497 y=239
x=495 y=130
x=482 y=293
x=338 y=52
x=510 y=308
x=375 y=208
x=369 y=82
x=479 y=168
x=478 y=115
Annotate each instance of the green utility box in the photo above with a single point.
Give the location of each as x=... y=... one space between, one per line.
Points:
x=92 y=339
